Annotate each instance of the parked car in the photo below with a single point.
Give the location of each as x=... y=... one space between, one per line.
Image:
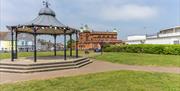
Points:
x=97 y=50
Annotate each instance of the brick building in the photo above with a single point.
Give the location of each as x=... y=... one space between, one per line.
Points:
x=93 y=39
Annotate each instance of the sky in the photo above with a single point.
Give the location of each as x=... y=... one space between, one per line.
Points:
x=129 y=17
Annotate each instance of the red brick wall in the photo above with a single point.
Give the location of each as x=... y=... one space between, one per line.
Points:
x=92 y=40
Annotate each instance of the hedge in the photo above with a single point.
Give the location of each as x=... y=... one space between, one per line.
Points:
x=146 y=48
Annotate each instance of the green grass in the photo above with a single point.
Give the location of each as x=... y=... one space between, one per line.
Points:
x=141 y=59
x=117 y=57
x=28 y=54
x=109 y=81
x=51 y=53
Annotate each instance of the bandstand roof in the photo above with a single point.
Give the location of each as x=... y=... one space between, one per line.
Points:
x=45 y=23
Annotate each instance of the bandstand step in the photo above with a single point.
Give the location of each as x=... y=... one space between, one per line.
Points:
x=29 y=68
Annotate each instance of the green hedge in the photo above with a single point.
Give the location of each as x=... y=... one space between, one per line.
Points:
x=146 y=48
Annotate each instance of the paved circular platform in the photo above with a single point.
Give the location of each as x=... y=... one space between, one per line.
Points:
x=50 y=63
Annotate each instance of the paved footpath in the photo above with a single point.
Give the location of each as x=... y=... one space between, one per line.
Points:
x=95 y=67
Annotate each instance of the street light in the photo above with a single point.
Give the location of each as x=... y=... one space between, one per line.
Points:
x=101 y=44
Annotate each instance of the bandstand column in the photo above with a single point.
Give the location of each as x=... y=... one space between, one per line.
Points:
x=16 y=45
x=70 y=44
x=35 y=55
x=12 y=45
x=55 y=45
x=64 y=44
x=76 y=44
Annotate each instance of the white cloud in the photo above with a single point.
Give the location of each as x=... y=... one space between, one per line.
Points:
x=13 y=12
x=128 y=12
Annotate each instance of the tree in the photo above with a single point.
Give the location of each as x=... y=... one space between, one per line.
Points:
x=105 y=45
x=69 y=45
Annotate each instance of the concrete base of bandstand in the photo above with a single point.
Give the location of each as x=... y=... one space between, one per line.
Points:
x=49 y=63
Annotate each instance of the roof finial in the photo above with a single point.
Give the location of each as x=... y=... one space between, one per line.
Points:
x=46 y=3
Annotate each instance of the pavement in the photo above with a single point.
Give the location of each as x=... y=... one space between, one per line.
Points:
x=95 y=67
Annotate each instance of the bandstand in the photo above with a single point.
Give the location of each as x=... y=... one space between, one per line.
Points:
x=45 y=23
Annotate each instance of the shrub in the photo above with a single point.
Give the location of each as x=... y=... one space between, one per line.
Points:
x=146 y=48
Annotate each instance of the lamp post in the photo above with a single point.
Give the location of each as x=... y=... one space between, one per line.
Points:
x=101 y=44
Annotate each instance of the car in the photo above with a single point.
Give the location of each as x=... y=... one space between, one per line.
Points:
x=97 y=50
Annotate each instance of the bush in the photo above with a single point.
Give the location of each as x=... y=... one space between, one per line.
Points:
x=146 y=48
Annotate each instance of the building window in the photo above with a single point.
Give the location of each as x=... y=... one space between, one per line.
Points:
x=26 y=43
x=22 y=43
x=177 y=30
x=176 y=42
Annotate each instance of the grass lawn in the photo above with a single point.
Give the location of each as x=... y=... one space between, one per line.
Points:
x=140 y=59
x=29 y=54
x=117 y=57
x=109 y=81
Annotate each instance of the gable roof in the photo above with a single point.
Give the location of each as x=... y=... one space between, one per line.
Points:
x=5 y=35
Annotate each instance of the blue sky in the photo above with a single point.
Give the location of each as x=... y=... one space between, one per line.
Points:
x=128 y=16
